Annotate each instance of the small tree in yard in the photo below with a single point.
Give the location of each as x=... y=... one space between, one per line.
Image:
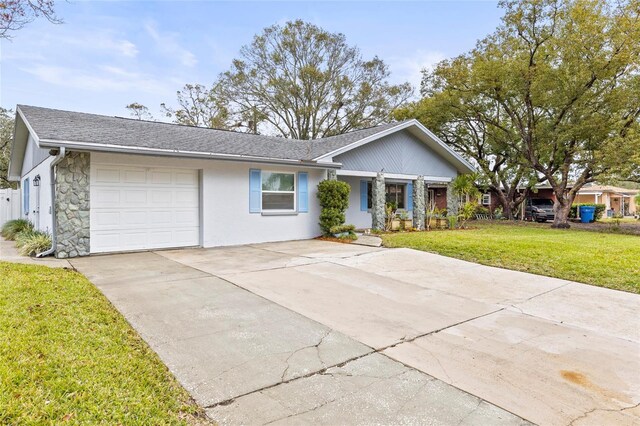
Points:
x=464 y=187
x=334 y=200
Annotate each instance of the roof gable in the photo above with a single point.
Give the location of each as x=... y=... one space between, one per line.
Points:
x=400 y=152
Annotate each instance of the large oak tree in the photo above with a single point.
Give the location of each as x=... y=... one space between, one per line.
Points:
x=295 y=80
x=559 y=82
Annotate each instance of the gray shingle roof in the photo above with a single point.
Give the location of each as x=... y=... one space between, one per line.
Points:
x=58 y=125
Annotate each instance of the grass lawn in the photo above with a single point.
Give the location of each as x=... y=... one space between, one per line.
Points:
x=66 y=355
x=602 y=259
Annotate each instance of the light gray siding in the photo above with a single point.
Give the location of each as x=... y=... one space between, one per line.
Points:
x=33 y=156
x=399 y=152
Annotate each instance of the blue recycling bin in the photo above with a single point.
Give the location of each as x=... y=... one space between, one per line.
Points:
x=587 y=214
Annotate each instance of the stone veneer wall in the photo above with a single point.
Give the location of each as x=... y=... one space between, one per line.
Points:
x=72 y=205
x=452 y=201
x=419 y=208
x=378 y=214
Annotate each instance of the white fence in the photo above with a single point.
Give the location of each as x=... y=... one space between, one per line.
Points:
x=9 y=205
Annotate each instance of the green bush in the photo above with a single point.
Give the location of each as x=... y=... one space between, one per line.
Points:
x=13 y=227
x=31 y=242
x=453 y=221
x=334 y=201
x=344 y=232
x=600 y=208
x=481 y=210
x=342 y=228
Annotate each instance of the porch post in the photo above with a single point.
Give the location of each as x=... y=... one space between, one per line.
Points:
x=378 y=203
x=332 y=174
x=452 y=201
x=418 y=203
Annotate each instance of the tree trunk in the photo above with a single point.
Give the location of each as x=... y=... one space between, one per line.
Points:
x=561 y=208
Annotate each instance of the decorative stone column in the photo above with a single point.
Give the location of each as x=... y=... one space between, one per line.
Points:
x=72 y=205
x=418 y=203
x=378 y=198
x=332 y=174
x=452 y=201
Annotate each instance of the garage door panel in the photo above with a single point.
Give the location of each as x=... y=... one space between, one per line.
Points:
x=161 y=218
x=186 y=217
x=186 y=178
x=103 y=197
x=135 y=176
x=106 y=219
x=106 y=175
x=160 y=177
x=162 y=197
x=187 y=198
x=137 y=208
x=134 y=197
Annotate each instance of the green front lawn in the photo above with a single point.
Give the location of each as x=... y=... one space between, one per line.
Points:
x=602 y=259
x=67 y=355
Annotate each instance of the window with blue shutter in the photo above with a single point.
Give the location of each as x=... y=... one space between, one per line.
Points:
x=255 y=183
x=364 y=190
x=410 y=196
x=303 y=192
x=25 y=197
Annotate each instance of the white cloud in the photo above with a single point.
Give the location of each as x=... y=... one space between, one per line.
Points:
x=169 y=45
x=101 y=79
x=410 y=68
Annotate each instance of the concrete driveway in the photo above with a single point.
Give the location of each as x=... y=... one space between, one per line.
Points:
x=318 y=332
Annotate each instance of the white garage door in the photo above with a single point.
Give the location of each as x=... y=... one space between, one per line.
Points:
x=137 y=208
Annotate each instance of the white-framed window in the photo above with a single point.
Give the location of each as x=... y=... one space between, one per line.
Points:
x=395 y=193
x=486 y=199
x=278 y=191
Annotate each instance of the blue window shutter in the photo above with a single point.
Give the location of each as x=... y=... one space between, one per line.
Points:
x=410 y=196
x=303 y=192
x=25 y=198
x=363 y=195
x=255 y=190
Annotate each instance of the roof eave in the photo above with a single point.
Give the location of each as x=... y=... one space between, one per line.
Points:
x=89 y=146
x=21 y=131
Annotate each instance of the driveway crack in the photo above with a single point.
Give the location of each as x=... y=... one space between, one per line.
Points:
x=610 y=410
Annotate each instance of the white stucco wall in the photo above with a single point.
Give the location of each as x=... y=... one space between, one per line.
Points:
x=225 y=200
x=354 y=215
x=43 y=220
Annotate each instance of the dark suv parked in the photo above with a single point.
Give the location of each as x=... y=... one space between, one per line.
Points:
x=539 y=209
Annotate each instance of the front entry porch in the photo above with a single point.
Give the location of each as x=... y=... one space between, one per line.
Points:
x=408 y=195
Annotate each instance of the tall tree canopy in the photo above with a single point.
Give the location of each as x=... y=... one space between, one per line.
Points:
x=6 y=137
x=199 y=106
x=306 y=82
x=296 y=81
x=554 y=89
x=457 y=116
x=15 y=14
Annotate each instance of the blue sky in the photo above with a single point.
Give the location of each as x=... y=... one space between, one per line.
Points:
x=108 y=54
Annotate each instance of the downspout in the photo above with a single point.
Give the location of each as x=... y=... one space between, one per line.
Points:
x=59 y=157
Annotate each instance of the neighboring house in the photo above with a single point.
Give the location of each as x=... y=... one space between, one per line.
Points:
x=616 y=200
x=120 y=184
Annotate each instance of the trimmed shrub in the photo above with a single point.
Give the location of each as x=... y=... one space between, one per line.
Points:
x=334 y=200
x=600 y=208
x=14 y=227
x=344 y=232
x=31 y=242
